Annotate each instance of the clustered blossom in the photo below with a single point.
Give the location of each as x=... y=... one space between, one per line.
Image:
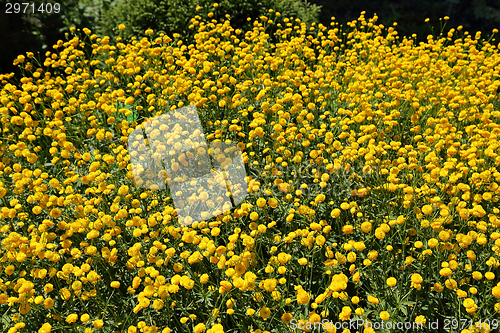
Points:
x=415 y=124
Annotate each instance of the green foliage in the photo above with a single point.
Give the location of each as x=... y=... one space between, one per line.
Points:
x=174 y=16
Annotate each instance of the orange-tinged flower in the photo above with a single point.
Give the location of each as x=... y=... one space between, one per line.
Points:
x=391 y=282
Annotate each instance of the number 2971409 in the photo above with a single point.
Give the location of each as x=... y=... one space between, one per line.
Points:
x=31 y=8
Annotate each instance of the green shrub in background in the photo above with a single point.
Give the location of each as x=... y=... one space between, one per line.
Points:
x=173 y=16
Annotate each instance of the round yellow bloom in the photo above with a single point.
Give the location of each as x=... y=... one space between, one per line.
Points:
x=199 y=328
x=273 y=202
x=347 y=229
x=204 y=278
x=391 y=282
x=384 y=315
x=468 y=303
x=445 y=271
x=98 y=323
x=427 y=209
x=261 y=202
x=366 y=226
x=72 y=318
x=76 y=285
x=9 y=270
x=55 y=213
x=121 y=26
x=303 y=297
x=286 y=317
x=115 y=284
x=496 y=291
x=265 y=313
x=158 y=304
x=451 y=284
x=416 y=278
x=46 y=328
x=433 y=242
x=379 y=233
x=48 y=303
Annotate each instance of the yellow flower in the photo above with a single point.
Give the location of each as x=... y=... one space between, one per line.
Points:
x=199 y=328
x=265 y=313
x=98 y=323
x=76 y=285
x=286 y=317
x=391 y=282
x=72 y=318
x=48 y=303
x=445 y=271
x=158 y=304
x=451 y=284
x=347 y=229
x=261 y=202
x=416 y=278
x=335 y=213
x=46 y=328
x=303 y=297
x=366 y=226
x=121 y=26
x=427 y=209
x=55 y=213
x=9 y=270
x=379 y=233
x=495 y=291
x=433 y=242
x=204 y=278
x=384 y=315
x=273 y=202
x=468 y=303
x=123 y=190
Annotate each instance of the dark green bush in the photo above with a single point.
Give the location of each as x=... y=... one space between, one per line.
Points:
x=173 y=16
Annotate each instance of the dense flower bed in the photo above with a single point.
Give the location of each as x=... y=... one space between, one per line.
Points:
x=372 y=178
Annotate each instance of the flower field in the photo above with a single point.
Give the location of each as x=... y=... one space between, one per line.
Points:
x=371 y=165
